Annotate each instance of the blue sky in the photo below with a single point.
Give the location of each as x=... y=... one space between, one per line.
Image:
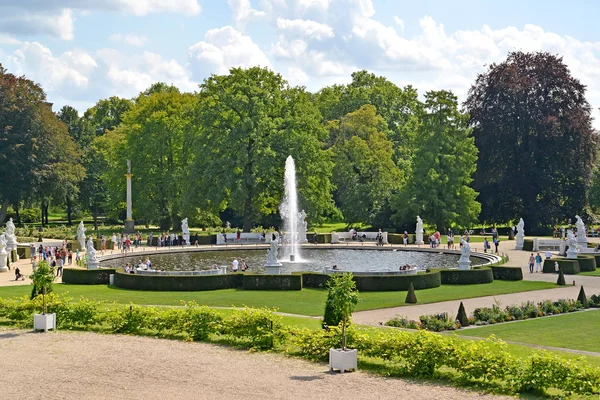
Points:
x=83 y=50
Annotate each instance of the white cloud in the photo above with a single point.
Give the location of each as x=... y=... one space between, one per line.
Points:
x=30 y=23
x=223 y=49
x=243 y=11
x=69 y=71
x=305 y=28
x=399 y=22
x=129 y=39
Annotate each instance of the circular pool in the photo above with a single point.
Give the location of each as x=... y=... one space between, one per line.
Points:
x=315 y=260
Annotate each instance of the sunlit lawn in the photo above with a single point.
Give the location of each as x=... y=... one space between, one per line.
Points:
x=304 y=302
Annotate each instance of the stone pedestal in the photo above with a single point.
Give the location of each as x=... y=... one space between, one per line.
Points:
x=129 y=226
x=273 y=268
x=572 y=252
x=582 y=239
x=464 y=264
x=520 y=242
x=419 y=238
x=3 y=267
x=93 y=264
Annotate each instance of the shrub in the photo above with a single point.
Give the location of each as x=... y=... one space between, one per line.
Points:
x=127 y=319
x=582 y=298
x=561 y=278
x=176 y=283
x=272 y=282
x=568 y=266
x=411 y=298
x=467 y=277
x=260 y=327
x=586 y=262
x=80 y=276
x=313 y=280
x=594 y=300
x=490 y=315
x=528 y=245
x=504 y=273
x=342 y=297
x=487 y=360
x=198 y=322
x=403 y=322
x=461 y=317
x=382 y=283
x=437 y=322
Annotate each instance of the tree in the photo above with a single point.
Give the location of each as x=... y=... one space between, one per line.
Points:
x=365 y=175
x=442 y=166
x=38 y=159
x=342 y=298
x=249 y=122
x=153 y=133
x=532 y=126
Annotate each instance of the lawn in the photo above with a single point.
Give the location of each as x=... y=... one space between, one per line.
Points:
x=591 y=273
x=304 y=302
x=576 y=331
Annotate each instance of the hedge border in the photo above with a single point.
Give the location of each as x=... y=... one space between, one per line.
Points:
x=401 y=283
x=271 y=282
x=78 y=276
x=587 y=263
x=506 y=273
x=569 y=266
x=467 y=277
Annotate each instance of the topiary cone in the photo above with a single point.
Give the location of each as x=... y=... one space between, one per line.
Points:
x=462 y=316
x=582 y=298
x=561 y=278
x=410 y=296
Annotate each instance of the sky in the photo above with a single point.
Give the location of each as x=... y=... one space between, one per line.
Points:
x=81 y=51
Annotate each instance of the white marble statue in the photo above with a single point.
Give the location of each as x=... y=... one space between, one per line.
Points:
x=464 y=261
x=581 y=231
x=185 y=230
x=272 y=254
x=3 y=253
x=573 y=245
x=520 y=235
x=302 y=227
x=81 y=235
x=419 y=231
x=11 y=238
x=91 y=251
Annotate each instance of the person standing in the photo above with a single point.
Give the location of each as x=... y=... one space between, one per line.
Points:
x=538 y=262
x=531 y=263
x=315 y=238
x=496 y=243
x=234 y=266
x=405 y=238
x=238 y=235
x=486 y=245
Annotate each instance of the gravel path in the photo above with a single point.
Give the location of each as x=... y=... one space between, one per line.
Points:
x=77 y=365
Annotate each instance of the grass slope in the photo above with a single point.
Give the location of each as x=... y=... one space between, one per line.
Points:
x=304 y=302
x=576 y=331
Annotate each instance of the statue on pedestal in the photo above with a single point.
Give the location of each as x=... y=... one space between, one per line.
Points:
x=272 y=254
x=302 y=227
x=464 y=261
x=90 y=251
x=3 y=253
x=81 y=235
x=11 y=238
x=520 y=235
x=573 y=245
x=581 y=231
x=185 y=230
x=419 y=231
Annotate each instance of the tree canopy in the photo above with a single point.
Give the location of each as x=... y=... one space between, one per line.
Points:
x=532 y=126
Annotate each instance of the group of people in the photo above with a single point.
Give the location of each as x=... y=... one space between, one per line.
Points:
x=56 y=256
x=537 y=262
x=239 y=265
x=141 y=265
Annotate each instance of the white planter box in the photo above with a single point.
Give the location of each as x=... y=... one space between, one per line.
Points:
x=343 y=359
x=43 y=322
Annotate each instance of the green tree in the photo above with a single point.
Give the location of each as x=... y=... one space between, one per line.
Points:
x=152 y=136
x=342 y=298
x=365 y=175
x=444 y=160
x=249 y=122
x=532 y=126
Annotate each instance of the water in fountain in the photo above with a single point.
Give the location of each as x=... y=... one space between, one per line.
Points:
x=288 y=210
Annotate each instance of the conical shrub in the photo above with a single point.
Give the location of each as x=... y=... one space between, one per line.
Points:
x=582 y=298
x=410 y=296
x=561 y=278
x=462 y=316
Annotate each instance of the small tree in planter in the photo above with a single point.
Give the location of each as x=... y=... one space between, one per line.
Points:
x=42 y=279
x=342 y=296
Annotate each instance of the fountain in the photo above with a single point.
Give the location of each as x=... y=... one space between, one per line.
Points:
x=290 y=215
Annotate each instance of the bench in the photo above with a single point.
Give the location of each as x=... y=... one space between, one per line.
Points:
x=245 y=238
x=547 y=244
x=338 y=237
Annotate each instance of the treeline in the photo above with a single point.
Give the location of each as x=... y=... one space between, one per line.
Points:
x=366 y=152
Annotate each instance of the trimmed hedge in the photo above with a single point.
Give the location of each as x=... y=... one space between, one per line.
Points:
x=272 y=282
x=80 y=276
x=467 y=277
x=569 y=266
x=586 y=262
x=527 y=245
x=177 y=283
x=384 y=283
x=313 y=279
x=504 y=273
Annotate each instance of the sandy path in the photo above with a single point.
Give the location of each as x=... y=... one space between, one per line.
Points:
x=76 y=365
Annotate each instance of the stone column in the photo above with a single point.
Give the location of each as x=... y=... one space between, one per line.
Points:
x=129 y=223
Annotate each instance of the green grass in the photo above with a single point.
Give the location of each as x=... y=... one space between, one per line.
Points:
x=304 y=302
x=591 y=273
x=576 y=331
